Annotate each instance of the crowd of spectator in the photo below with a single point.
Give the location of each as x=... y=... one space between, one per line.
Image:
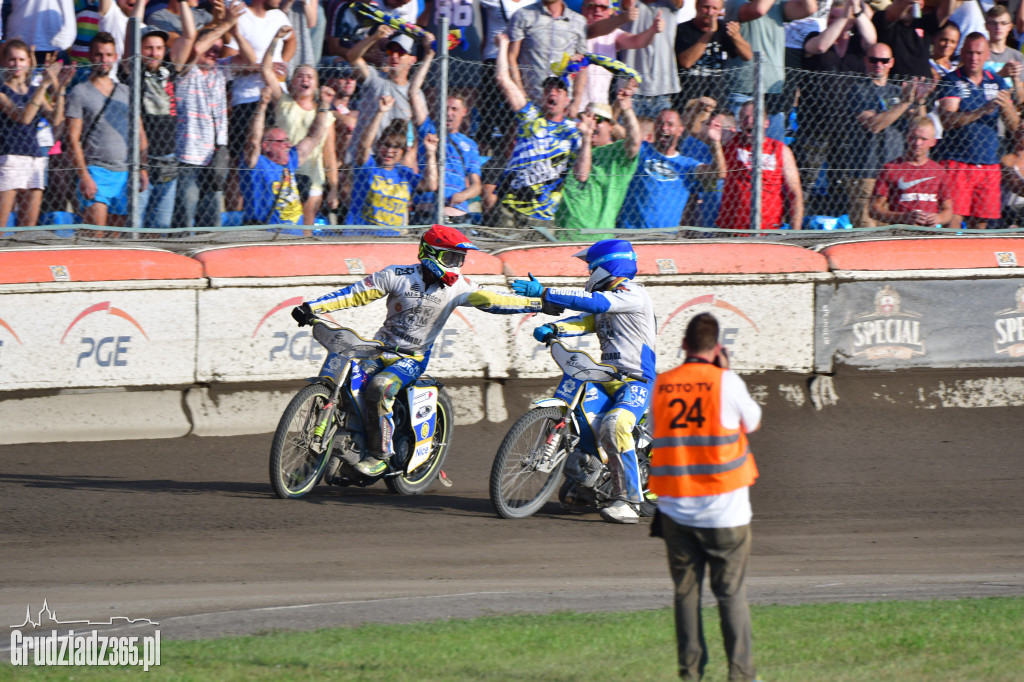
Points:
x=311 y=111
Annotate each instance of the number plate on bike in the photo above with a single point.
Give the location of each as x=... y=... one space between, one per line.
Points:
x=579 y=365
x=346 y=342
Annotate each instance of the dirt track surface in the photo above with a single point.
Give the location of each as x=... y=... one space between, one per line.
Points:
x=866 y=502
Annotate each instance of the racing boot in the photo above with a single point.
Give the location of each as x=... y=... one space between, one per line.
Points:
x=620 y=511
x=372 y=466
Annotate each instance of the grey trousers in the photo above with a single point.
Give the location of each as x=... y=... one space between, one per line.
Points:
x=724 y=551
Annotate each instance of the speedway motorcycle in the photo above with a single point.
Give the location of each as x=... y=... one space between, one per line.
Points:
x=557 y=439
x=322 y=433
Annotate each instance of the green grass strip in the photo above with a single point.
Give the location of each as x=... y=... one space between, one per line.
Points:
x=969 y=639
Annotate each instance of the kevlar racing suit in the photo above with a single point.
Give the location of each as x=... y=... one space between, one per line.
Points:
x=417 y=311
x=623 y=318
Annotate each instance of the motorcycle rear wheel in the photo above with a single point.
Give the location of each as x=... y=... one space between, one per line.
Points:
x=419 y=479
x=294 y=467
x=518 y=487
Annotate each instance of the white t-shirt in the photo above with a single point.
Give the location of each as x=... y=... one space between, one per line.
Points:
x=115 y=22
x=497 y=14
x=259 y=32
x=731 y=509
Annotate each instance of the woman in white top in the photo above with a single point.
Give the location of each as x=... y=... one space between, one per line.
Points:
x=294 y=112
x=943 y=49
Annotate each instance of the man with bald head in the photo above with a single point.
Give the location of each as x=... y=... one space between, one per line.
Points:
x=665 y=179
x=880 y=109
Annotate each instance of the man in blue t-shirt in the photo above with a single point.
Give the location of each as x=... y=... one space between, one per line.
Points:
x=270 y=162
x=664 y=178
x=462 y=171
x=972 y=100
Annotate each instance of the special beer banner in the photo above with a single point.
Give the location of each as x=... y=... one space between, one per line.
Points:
x=922 y=323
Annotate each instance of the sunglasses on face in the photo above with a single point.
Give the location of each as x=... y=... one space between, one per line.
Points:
x=283 y=140
x=601 y=7
x=879 y=60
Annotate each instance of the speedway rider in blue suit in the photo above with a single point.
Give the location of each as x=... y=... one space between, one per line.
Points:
x=420 y=298
x=621 y=313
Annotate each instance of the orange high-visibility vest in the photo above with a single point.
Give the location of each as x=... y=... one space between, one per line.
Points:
x=693 y=454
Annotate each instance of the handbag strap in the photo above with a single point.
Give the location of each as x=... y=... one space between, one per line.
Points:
x=103 y=109
x=277 y=195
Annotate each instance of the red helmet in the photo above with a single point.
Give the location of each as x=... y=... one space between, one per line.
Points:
x=442 y=252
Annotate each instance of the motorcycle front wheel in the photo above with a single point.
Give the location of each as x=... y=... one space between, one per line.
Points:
x=419 y=479
x=527 y=468
x=294 y=467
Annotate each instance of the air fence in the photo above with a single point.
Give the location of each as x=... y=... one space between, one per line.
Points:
x=141 y=342
x=530 y=191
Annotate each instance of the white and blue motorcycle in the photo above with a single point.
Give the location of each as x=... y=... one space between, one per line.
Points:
x=322 y=433
x=559 y=436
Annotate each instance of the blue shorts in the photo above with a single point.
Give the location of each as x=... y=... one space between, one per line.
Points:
x=111 y=189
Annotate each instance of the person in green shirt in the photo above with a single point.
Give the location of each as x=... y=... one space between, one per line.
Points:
x=591 y=198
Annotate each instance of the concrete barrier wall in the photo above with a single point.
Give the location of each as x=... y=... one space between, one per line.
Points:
x=209 y=336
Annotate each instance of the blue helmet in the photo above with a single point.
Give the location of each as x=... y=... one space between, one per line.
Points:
x=608 y=259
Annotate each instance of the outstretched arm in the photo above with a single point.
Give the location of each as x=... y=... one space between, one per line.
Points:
x=513 y=92
x=321 y=124
x=267 y=66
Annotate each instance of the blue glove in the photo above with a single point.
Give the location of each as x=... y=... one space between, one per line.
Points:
x=545 y=332
x=528 y=287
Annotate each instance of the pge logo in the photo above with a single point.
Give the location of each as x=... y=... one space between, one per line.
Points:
x=300 y=345
x=105 y=351
x=729 y=334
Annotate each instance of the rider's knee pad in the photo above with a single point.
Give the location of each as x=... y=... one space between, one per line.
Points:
x=382 y=391
x=616 y=434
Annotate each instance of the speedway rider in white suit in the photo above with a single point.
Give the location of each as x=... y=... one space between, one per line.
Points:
x=620 y=311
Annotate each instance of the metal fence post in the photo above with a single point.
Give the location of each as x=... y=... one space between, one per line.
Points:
x=134 y=134
x=758 y=143
x=442 y=117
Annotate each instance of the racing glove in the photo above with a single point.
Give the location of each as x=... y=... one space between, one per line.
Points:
x=303 y=314
x=545 y=332
x=528 y=287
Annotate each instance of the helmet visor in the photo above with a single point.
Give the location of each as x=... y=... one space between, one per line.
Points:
x=451 y=259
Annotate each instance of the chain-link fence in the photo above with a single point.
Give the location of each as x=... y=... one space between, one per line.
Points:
x=529 y=153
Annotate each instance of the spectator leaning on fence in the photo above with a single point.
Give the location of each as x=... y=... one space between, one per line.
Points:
x=27 y=119
x=762 y=24
x=539 y=35
x=159 y=119
x=545 y=148
x=385 y=175
x=780 y=180
x=972 y=101
x=268 y=178
x=909 y=33
x=665 y=179
x=97 y=136
x=703 y=46
x=201 y=135
x=913 y=190
x=462 y=170
x=601 y=175
x=878 y=106
x=295 y=112
x=831 y=55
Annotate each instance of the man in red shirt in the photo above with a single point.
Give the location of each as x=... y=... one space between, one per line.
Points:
x=913 y=189
x=780 y=177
